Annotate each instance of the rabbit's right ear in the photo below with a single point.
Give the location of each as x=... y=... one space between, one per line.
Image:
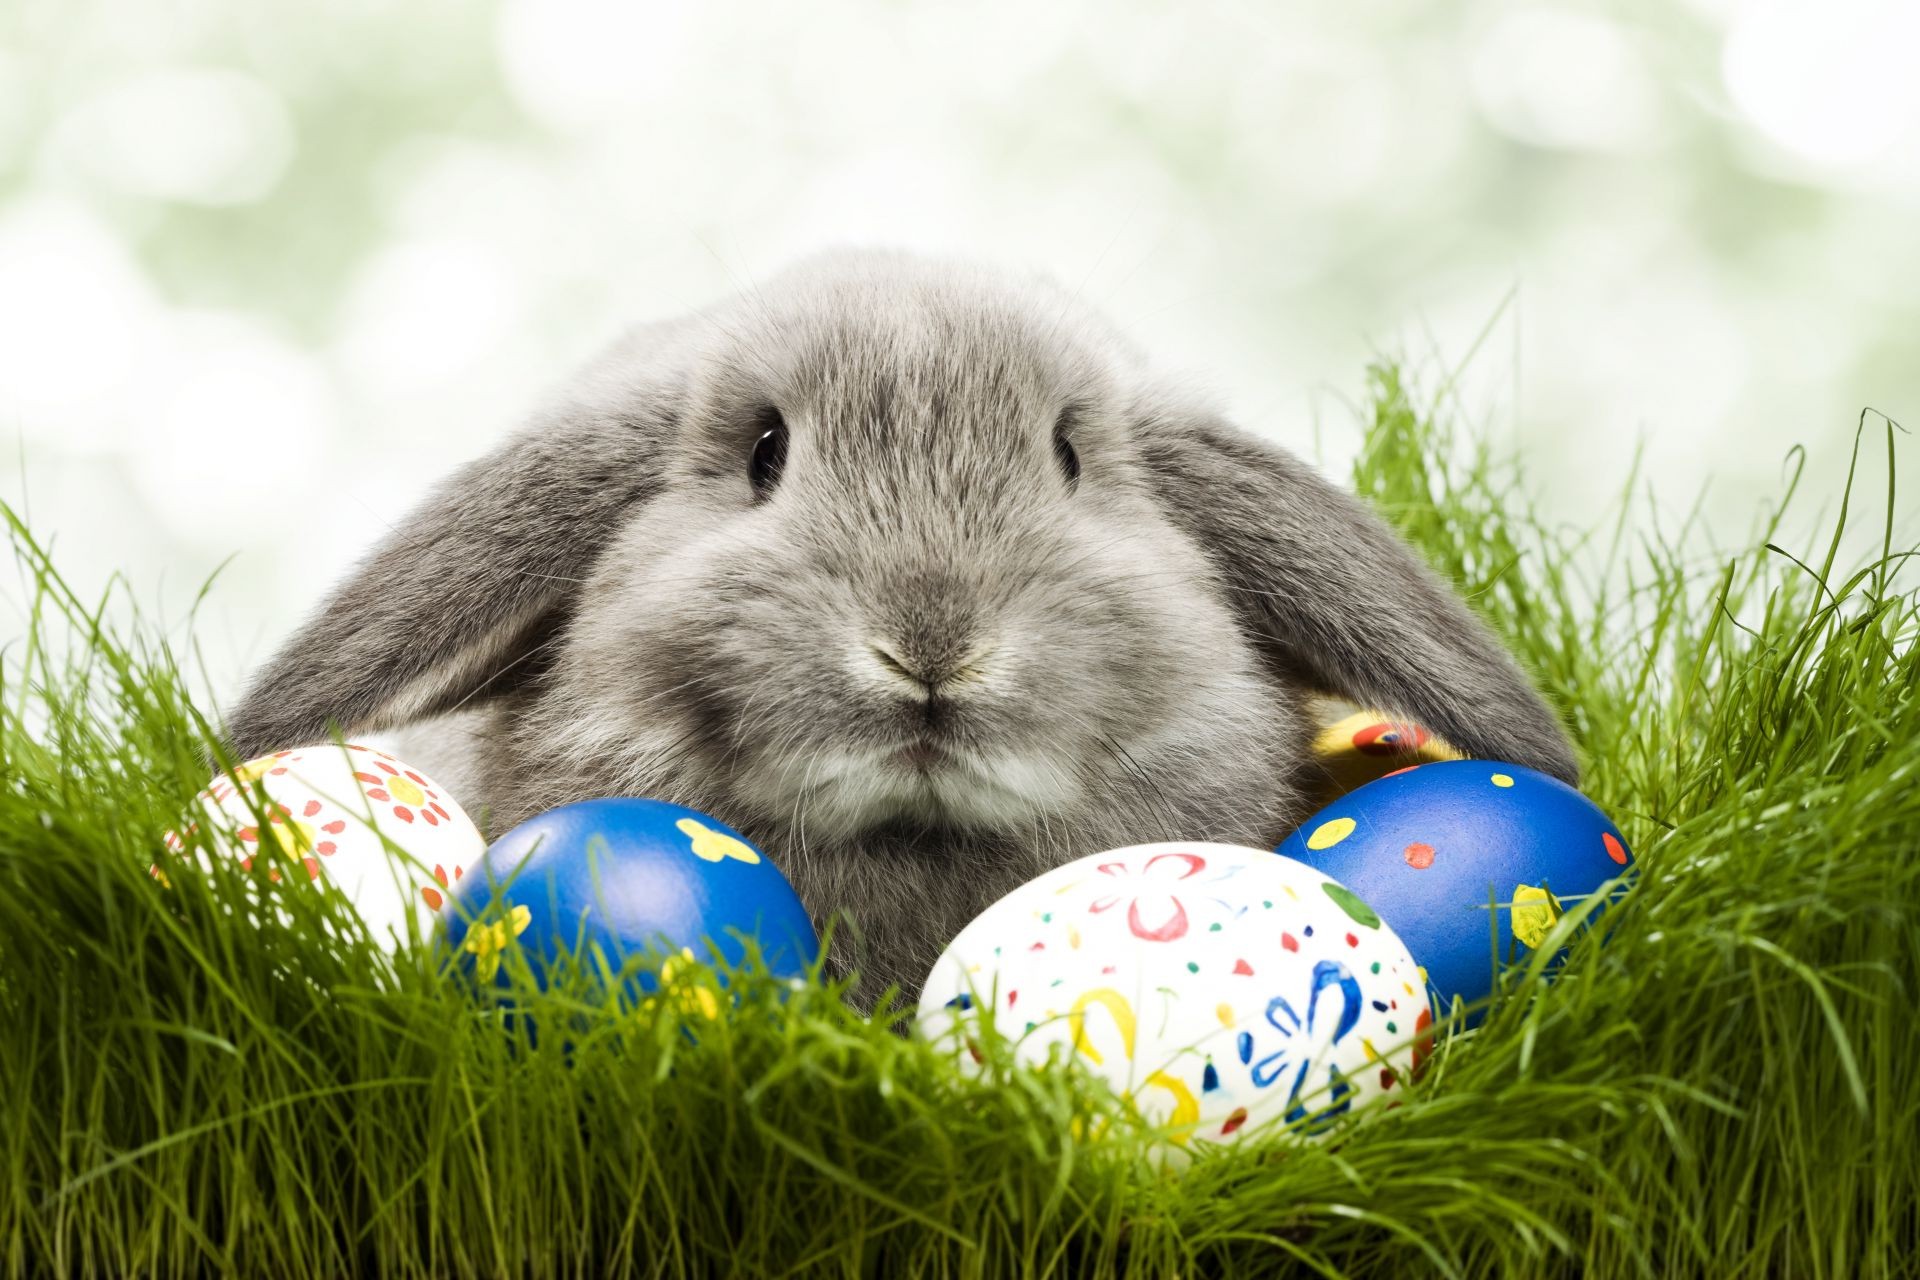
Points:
x=1332 y=596
x=459 y=601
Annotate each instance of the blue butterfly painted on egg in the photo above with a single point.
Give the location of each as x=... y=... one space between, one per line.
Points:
x=1331 y=980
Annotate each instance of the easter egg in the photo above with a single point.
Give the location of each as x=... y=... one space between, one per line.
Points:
x=1356 y=749
x=1436 y=848
x=1220 y=989
x=348 y=817
x=627 y=876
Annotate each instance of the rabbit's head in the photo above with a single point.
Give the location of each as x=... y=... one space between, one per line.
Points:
x=911 y=572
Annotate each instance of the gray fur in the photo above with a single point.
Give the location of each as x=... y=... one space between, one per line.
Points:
x=1116 y=661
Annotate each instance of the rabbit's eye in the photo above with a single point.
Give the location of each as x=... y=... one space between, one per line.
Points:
x=769 y=455
x=1063 y=451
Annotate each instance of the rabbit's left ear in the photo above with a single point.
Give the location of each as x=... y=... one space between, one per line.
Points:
x=1335 y=598
x=469 y=596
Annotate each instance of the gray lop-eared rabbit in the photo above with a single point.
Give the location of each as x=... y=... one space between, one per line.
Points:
x=909 y=572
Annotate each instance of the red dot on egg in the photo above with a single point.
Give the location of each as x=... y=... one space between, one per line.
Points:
x=367 y=777
x=326 y=848
x=1387 y=1078
x=428 y=815
x=335 y=827
x=382 y=764
x=435 y=806
x=416 y=777
x=1615 y=850
x=1243 y=968
x=377 y=793
x=403 y=813
x=313 y=868
x=1290 y=942
x=1352 y=941
x=1388 y=738
x=1422 y=1041
x=311 y=807
x=432 y=896
x=250 y=834
x=1419 y=856
x=1234 y=1121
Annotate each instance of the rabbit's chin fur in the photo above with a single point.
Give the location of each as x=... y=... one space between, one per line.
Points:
x=914 y=856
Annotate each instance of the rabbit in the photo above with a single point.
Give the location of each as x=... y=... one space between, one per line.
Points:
x=911 y=572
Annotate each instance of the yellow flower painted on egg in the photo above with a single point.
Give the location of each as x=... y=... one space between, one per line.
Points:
x=1534 y=913
x=290 y=836
x=715 y=846
x=407 y=795
x=689 y=998
x=488 y=941
x=242 y=776
x=284 y=838
x=252 y=770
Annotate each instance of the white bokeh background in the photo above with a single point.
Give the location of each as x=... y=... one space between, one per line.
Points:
x=267 y=270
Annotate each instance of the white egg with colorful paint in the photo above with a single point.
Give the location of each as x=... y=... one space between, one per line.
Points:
x=1223 y=990
x=349 y=817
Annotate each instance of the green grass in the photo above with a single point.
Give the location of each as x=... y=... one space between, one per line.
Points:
x=1727 y=1084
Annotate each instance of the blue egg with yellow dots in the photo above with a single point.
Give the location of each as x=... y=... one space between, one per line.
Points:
x=626 y=876
x=1470 y=862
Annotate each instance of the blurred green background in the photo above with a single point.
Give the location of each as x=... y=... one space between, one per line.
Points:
x=269 y=269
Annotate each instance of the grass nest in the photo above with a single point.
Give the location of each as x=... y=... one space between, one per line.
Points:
x=229 y=1076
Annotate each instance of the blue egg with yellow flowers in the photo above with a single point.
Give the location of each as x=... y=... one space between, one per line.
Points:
x=627 y=876
x=1470 y=862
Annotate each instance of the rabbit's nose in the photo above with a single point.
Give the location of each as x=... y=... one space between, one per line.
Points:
x=932 y=670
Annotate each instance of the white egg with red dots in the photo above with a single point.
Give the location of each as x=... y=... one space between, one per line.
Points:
x=1222 y=990
x=347 y=817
